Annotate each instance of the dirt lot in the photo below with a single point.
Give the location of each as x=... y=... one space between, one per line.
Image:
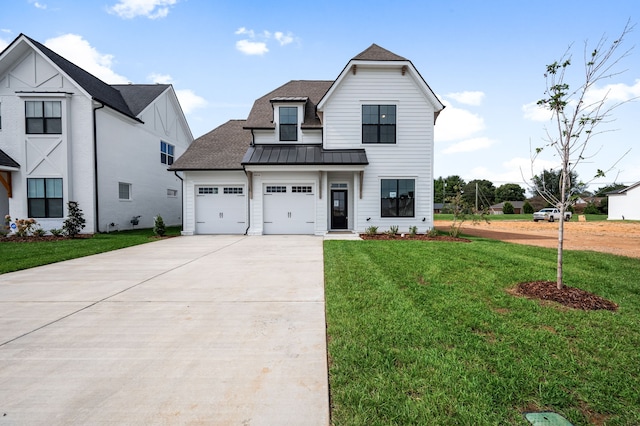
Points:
x=621 y=238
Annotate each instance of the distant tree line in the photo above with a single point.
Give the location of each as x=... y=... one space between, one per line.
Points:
x=482 y=193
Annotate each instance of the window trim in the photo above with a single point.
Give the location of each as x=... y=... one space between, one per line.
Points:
x=129 y=191
x=167 y=153
x=45 y=198
x=379 y=126
x=285 y=124
x=398 y=208
x=45 y=120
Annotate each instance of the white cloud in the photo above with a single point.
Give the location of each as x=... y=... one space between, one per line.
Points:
x=189 y=101
x=469 y=145
x=467 y=98
x=152 y=9
x=78 y=50
x=160 y=78
x=39 y=5
x=614 y=92
x=282 y=38
x=534 y=112
x=516 y=170
x=252 y=47
x=256 y=44
x=456 y=123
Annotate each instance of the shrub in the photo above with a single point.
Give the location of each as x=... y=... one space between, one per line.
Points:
x=158 y=226
x=74 y=223
x=39 y=232
x=56 y=232
x=507 y=208
x=527 y=208
x=372 y=230
x=433 y=232
x=393 y=230
x=25 y=227
x=591 y=209
x=413 y=230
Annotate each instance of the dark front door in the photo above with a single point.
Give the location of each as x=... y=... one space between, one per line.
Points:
x=339 y=209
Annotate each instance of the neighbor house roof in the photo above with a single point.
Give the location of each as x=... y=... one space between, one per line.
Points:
x=220 y=149
x=624 y=190
x=140 y=96
x=303 y=155
x=6 y=161
x=515 y=204
x=308 y=91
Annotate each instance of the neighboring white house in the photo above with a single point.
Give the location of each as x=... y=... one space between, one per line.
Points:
x=320 y=156
x=625 y=203
x=66 y=136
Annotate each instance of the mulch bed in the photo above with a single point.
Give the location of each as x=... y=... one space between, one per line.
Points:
x=569 y=296
x=33 y=238
x=422 y=237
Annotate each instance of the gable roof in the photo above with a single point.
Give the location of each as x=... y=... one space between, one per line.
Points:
x=377 y=53
x=220 y=149
x=623 y=191
x=140 y=96
x=97 y=88
x=261 y=114
x=6 y=161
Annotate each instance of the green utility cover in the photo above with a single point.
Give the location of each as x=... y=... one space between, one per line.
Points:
x=547 y=419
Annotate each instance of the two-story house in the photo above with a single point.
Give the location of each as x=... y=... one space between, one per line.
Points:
x=320 y=156
x=65 y=135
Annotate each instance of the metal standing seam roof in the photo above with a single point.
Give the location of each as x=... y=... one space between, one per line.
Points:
x=301 y=155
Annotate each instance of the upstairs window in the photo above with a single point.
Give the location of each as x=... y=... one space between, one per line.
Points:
x=44 y=197
x=397 y=198
x=378 y=124
x=43 y=117
x=288 y=123
x=166 y=153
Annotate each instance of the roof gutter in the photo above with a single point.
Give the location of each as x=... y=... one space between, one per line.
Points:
x=95 y=167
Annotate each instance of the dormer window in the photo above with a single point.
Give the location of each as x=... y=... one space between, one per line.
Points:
x=288 y=123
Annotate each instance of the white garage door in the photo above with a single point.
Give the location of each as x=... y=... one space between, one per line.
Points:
x=221 y=209
x=289 y=209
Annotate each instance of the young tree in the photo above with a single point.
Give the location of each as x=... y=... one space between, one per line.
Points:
x=75 y=221
x=576 y=118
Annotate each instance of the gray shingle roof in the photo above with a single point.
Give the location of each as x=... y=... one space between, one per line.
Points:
x=303 y=155
x=139 y=96
x=220 y=149
x=7 y=161
x=261 y=114
x=377 y=53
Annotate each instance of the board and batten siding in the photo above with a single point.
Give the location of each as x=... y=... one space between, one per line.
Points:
x=305 y=136
x=410 y=157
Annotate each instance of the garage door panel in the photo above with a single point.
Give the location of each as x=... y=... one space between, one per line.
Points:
x=220 y=210
x=289 y=209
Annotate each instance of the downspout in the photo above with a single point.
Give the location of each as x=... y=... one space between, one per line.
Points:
x=250 y=196
x=95 y=167
x=181 y=197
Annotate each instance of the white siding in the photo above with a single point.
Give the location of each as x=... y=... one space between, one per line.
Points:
x=625 y=205
x=412 y=155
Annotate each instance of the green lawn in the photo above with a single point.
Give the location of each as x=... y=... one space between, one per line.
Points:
x=23 y=255
x=427 y=333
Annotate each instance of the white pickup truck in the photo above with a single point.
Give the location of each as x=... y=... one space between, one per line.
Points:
x=550 y=214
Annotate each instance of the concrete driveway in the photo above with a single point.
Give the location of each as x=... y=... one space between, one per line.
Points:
x=224 y=330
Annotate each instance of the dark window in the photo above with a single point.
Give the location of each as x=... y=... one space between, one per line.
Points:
x=43 y=117
x=378 y=124
x=44 y=197
x=232 y=190
x=288 y=123
x=124 y=191
x=397 y=198
x=166 y=153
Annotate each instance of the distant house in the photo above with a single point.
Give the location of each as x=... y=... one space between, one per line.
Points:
x=320 y=156
x=438 y=207
x=66 y=136
x=517 y=207
x=625 y=203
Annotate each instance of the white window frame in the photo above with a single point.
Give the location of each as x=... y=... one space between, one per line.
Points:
x=129 y=187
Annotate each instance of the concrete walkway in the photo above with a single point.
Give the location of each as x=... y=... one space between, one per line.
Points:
x=223 y=330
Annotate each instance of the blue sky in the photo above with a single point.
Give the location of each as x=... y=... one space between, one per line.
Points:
x=484 y=59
